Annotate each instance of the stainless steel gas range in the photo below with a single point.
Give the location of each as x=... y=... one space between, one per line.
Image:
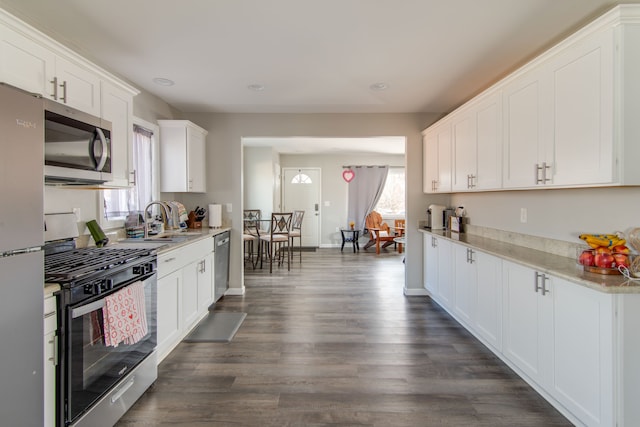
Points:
x=102 y=371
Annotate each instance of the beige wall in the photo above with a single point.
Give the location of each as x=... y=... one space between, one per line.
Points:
x=224 y=159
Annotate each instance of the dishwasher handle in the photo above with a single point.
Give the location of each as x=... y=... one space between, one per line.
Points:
x=222 y=242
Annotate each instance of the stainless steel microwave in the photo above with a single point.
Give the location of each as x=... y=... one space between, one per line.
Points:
x=77 y=146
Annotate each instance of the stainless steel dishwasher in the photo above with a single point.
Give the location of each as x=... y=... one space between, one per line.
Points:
x=221 y=269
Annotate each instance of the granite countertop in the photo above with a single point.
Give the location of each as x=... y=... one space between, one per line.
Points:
x=559 y=266
x=173 y=240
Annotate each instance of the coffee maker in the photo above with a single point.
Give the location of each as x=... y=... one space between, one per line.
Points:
x=435 y=217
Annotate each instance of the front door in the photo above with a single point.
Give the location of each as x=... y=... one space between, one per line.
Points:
x=301 y=191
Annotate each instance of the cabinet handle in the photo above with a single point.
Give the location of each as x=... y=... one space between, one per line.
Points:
x=544 y=285
x=54 y=344
x=537 y=170
x=470 y=253
x=537 y=286
x=63 y=98
x=434 y=242
x=169 y=259
x=133 y=177
x=473 y=180
x=545 y=166
x=54 y=95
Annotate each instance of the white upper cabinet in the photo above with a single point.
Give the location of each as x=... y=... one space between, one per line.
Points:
x=526 y=132
x=117 y=107
x=182 y=157
x=31 y=65
x=477 y=145
x=566 y=119
x=583 y=112
x=437 y=159
x=25 y=63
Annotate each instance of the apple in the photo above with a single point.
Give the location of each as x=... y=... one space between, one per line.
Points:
x=603 y=250
x=604 y=260
x=621 y=260
x=586 y=258
x=620 y=249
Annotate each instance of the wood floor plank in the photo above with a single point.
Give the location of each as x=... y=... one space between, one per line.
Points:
x=334 y=342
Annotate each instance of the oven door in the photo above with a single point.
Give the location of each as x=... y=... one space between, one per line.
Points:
x=92 y=367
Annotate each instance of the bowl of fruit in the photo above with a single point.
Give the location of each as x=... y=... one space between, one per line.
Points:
x=606 y=254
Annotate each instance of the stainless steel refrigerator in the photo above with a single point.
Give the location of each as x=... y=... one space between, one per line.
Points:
x=21 y=258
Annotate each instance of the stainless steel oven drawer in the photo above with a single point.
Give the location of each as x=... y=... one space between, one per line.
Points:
x=114 y=404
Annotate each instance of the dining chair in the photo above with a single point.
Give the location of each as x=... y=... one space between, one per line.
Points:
x=398 y=229
x=276 y=242
x=251 y=235
x=296 y=230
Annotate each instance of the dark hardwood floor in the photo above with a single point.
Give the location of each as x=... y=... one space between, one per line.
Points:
x=334 y=342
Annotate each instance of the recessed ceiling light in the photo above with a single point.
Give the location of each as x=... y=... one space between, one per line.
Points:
x=163 y=82
x=256 y=87
x=379 y=86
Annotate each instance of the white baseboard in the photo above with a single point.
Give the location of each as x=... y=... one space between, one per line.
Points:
x=415 y=292
x=235 y=291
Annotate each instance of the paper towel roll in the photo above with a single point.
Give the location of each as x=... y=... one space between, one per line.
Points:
x=215 y=216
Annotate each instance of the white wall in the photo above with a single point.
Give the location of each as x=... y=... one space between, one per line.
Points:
x=557 y=214
x=334 y=188
x=224 y=159
x=258 y=179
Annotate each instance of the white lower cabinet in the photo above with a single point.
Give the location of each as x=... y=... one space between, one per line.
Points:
x=528 y=321
x=50 y=361
x=185 y=291
x=577 y=346
x=583 y=375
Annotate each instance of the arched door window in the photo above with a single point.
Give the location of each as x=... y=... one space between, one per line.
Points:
x=301 y=178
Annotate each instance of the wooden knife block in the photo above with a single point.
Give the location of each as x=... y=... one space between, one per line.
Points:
x=191 y=221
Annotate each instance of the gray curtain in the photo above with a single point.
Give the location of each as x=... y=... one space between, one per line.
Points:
x=365 y=190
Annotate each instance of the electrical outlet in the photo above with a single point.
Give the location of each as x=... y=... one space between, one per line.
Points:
x=523 y=215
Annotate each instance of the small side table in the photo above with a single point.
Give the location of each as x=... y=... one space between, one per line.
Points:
x=349 y=235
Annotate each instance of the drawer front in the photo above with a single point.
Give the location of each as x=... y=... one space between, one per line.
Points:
x=50 y=321
x=175 y=259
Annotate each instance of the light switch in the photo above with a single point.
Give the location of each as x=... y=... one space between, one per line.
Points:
x=327 y=203
x=228 y=207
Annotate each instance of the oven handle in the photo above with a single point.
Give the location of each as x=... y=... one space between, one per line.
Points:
x=86 y=309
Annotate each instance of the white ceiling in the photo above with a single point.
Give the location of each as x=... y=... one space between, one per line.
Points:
x=298 y=145
x=310 y=56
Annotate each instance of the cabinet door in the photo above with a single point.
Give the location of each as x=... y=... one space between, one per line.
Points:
x=169 y=312
x=430 y=162
x=430 y=265
x=583 y=112
x=78 y=87
x=50 y=379
x=205 y=284
x=524 y=128
x=464 y=150
x=465 y=279
x=190 y=294
x=527 y=322
x=446 y=288
x=25 y=63
x=488 y=314
x=583 y=352
x=117 y=107
x=489 y=143
x=196 y=158
x=443 y=184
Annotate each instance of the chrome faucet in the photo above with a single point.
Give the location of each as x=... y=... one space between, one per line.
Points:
x=164 y=212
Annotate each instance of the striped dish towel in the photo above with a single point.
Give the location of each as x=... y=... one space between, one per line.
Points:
x=124 y=315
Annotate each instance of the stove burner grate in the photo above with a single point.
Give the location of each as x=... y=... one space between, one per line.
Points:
x=79 y=262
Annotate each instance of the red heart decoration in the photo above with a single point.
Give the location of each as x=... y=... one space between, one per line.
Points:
x=348 y=175
x=131 y=316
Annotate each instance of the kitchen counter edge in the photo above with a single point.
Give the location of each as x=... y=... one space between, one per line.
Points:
x=563 y=267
